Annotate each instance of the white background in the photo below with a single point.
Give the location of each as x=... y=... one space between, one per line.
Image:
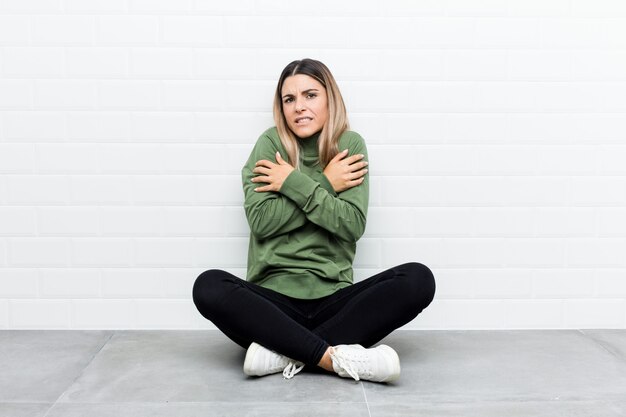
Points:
x=496 y=132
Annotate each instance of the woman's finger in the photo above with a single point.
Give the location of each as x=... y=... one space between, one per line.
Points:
x=357 y=166
x=354 y=183
x=261 y=170
x=357 y=174
x=265 y=163
x=354 y=158
x=261 y=178
x=264 y=188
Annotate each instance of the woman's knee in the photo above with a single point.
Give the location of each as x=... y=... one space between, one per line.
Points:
x=421 y=281
x=208 y=287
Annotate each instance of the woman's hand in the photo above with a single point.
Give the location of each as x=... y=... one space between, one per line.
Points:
x=272 y=174
x=345 y=173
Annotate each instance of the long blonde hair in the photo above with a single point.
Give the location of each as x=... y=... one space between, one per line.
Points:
x=335 y=125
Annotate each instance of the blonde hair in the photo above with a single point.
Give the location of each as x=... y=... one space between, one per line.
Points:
x=335 y=125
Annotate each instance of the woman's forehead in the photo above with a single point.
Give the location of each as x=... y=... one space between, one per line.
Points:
x=300 y=82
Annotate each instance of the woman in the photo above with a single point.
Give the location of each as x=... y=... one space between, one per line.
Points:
x=306 y=189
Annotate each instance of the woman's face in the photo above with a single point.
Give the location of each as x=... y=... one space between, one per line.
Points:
x=305 y=105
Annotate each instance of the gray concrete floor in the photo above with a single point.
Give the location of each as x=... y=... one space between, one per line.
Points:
x=199 y=373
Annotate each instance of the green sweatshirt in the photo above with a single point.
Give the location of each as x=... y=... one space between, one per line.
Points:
x=303 y=238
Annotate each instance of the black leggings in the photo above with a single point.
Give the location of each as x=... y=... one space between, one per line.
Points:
x=302 y=330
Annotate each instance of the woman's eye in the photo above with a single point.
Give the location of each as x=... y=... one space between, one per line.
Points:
x=312 y=95
x=287 y=100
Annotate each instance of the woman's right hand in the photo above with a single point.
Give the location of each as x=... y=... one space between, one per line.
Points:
x=344 y=173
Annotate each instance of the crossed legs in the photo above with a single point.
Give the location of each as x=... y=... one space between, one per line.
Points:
x=304 y=330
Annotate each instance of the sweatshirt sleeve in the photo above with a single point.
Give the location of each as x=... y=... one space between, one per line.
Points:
x=268 y=213
x=343 y=214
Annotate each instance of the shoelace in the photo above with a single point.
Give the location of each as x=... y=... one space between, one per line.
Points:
x=292 y=369
x=352 y=365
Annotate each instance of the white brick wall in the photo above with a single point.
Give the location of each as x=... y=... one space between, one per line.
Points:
x=496 y=131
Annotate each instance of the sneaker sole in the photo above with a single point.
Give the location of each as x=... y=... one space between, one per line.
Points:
x=393 y=361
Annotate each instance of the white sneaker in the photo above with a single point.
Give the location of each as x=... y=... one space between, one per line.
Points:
x=379 y=364
x=261 y=361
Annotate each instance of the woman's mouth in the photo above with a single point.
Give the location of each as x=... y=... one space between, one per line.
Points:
x=303 y=120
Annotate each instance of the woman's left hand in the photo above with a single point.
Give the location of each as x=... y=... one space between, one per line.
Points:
x=272 y=174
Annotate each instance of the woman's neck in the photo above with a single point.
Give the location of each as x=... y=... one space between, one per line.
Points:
x=310 y=145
